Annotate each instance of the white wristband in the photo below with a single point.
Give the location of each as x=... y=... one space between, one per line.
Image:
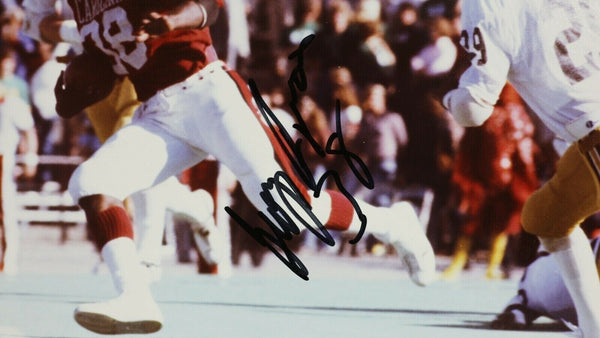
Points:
x=204 y=15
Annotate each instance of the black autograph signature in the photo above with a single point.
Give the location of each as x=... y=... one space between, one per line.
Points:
x=285 y=228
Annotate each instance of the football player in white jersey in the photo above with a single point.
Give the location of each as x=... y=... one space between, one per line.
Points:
x=549 y=51
x=16 y=122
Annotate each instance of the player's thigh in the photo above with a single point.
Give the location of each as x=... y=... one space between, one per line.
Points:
x=237 y=138
x=137 y=157
x=565 y=200
x=212 y=114
x=4 y=197
x=8 y=192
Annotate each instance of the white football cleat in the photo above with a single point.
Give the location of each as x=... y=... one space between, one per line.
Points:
x=152 y=271
x=129 y=313
x=411 y=243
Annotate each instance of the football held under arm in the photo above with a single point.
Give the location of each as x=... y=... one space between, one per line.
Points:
x=88 y=79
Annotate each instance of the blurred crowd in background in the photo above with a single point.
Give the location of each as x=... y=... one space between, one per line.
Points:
x=387 y=63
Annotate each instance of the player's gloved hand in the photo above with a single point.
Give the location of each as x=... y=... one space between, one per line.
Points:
x=87 y=80
x=514 y=318
x=67 y=104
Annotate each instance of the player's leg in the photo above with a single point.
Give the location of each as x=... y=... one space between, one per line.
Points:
x=542 y=292
x=408 y=237
x=460 y=257
x=113 y=112
x=195 y=207
x=3 y=199
x=149 y=219
x=498 y=243
x=535 y=288
x=106 y=117
x=238 y=140
x=135 y=158
x=11 y=232
x=554 y=212
x=8 y=220
x=205 y=176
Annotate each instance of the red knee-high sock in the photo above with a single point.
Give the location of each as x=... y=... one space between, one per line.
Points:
x=110 y=224
x=342 y=212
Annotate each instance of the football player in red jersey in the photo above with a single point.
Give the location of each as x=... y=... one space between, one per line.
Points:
x=52 y=21
x=193 y=105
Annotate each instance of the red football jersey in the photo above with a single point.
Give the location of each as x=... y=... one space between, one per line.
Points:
x=108 y=25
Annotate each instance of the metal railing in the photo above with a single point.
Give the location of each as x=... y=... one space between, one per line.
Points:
x=51 y=204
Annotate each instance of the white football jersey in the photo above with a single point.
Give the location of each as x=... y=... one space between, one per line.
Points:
x=549 y=50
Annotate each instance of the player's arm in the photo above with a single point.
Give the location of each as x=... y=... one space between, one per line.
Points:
x=55 y=29
x=43 y=23
x=181 y=15
x=480 y=85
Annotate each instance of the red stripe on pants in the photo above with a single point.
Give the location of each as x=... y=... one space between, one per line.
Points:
x=342 y=211
x=277 y=147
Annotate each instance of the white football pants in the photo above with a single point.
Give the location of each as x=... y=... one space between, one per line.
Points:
x=177 y=128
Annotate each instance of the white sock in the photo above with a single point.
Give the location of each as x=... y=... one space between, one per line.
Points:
x=577 y=265
x=378 y=218
x=381 y=221
x=123 y=263
x=388 y=224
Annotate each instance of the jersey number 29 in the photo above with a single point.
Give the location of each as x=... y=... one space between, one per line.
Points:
x=474 y=45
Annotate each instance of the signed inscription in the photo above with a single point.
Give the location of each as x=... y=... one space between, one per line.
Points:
x=291 y=206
